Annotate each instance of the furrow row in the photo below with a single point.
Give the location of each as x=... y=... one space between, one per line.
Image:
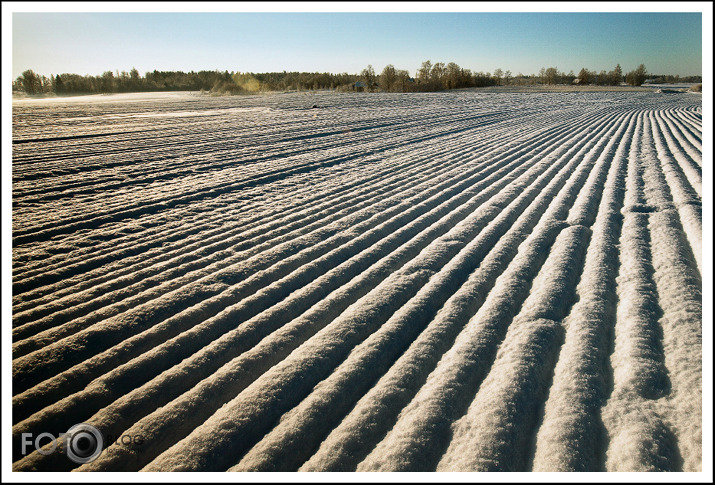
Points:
x=494 y=282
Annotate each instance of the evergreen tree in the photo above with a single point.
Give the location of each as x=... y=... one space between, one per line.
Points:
x=616 y=75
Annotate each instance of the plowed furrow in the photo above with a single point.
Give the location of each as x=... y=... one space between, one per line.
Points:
x=457 y=281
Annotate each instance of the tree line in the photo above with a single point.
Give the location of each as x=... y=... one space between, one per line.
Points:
x=438 y=76
x=207 y=81
x=615 y=77
x=429 y=77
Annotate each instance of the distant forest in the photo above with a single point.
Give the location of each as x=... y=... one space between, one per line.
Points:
x=429 y=77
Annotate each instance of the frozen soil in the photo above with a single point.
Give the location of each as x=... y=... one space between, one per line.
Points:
x=461 y=281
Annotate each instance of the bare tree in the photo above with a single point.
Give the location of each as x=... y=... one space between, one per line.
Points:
x=638 y=76
x=45 y=84
x=403 y=80
x=498 y=74
x=368 y=75
x=31 y=82
x=551 y=75
x=507 y=77
x=453 y=76
x=423 y=73
x=437 y=75
x=388 y=78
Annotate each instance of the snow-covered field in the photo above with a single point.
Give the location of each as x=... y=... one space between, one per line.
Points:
x=360 y=282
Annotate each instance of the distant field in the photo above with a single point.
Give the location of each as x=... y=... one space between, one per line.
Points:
x=461 y=281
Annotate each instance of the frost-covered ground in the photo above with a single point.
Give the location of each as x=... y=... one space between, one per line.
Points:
x=361 y=282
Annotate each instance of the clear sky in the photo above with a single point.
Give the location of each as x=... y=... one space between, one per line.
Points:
x=90 y=43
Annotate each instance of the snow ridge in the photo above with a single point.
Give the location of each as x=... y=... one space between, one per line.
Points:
x=435 y=282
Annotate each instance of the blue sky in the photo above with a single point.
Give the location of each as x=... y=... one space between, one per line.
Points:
x=90 y=43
